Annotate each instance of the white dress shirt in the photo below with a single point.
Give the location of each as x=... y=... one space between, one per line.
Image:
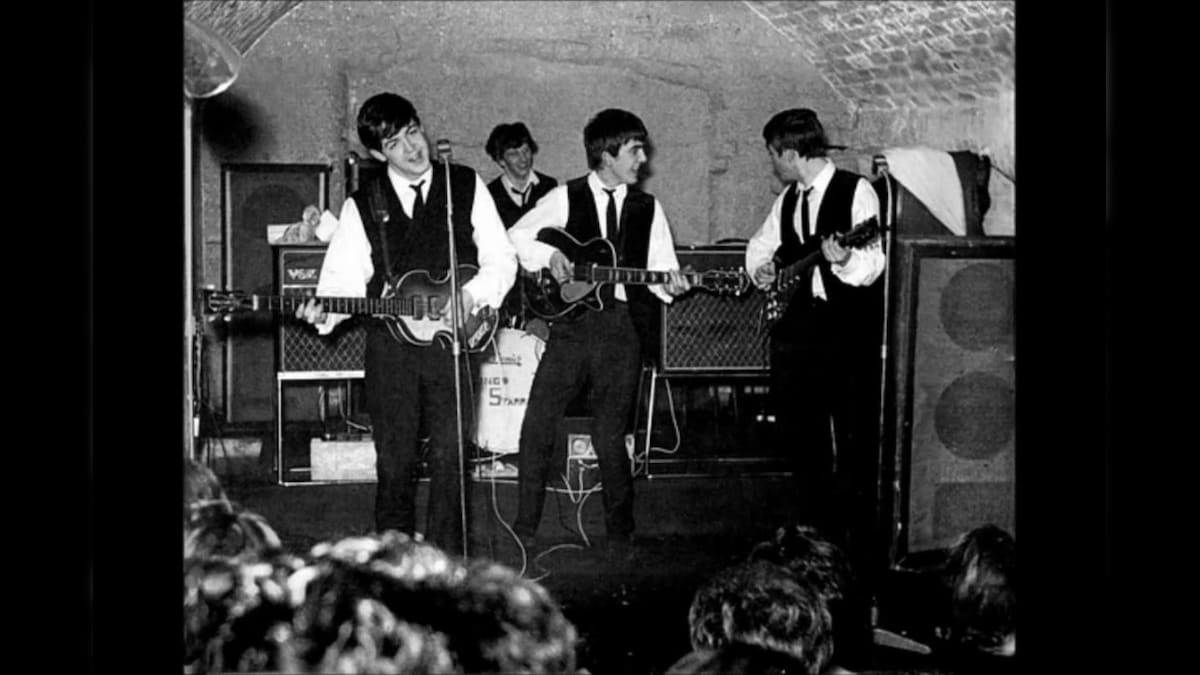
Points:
x=865 y=264
x=552 y=211
x=347 y=267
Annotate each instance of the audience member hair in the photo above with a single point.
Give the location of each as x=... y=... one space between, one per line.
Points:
x=505 y=137
x=822 y=567
x=200 y=484
x=237 y=611
x=608 y=130
x=396 y=601
x=762 y=604
x=221 y=529
x=981 y=573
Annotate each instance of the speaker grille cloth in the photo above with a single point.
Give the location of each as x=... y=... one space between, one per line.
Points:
x=301 y=349
x=702 y=331
x=963 y=448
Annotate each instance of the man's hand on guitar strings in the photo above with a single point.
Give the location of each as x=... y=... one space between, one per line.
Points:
x=561 y=268
x=834 y=252
x=311 y=311
x=765 y=274
x=678 y=284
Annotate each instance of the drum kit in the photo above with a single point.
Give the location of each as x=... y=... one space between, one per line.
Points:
x=505 y=379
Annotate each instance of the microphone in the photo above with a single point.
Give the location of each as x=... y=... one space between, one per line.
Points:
x=443 y=149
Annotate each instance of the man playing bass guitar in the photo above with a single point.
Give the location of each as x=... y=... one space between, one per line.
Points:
x=392 y=227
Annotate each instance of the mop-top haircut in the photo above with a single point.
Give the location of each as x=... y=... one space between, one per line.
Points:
x=383 y=116
x=797 y=129
x=608 y=130
x=507 y=137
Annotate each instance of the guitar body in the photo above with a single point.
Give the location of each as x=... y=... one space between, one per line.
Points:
x=780 y=293
x=430 y=320
x=550 y=300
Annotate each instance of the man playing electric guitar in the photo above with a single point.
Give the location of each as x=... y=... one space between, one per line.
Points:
x=825 y=365
x=393 y=226
x=600 y=352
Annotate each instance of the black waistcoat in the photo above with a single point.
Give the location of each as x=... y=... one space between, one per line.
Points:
x=420 y=245
x=855 y=311
x=633 y=247
x=509 y=212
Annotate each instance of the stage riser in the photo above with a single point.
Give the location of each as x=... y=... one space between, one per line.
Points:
x=699 y=506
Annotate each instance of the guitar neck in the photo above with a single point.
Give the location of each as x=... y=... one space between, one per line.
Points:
x=628 y=275
x=394 y=306
x=789 y=273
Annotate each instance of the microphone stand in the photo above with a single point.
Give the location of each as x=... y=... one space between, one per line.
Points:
x=888 y=228
x=443 y=151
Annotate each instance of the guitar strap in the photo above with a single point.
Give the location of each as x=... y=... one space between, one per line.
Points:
x=379 y=208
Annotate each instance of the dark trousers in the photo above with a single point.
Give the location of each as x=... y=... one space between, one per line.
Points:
x=409 y=390
x=825 y=383
x=598 y=353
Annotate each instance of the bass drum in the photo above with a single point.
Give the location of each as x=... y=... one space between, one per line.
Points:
x=506 y=377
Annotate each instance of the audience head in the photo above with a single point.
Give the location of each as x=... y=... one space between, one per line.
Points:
x=221 y=529
x=981 y=572
x=200 y=484
x=237 y=611
x=396 y=601
x=823 y=568
x=807 y=554
x=761 y=604
x=608 y=131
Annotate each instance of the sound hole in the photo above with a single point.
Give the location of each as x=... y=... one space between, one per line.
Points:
x=974 y=416
x=976 y=307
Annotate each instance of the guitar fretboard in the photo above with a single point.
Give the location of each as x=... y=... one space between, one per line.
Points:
x=629 y=275
x=416 y=306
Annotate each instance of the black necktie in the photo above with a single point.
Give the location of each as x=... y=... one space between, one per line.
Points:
x=521 y=192
x=610 y=217
x=418 y=202
x=804 y=216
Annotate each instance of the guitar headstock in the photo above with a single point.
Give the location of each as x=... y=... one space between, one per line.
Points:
x=725 y=281
x=225 y=302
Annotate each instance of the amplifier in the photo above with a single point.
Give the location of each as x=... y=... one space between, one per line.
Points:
x=704 y=332
x=301 y=349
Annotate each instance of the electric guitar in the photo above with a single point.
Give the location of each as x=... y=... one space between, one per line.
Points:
x=780 y=293
x=416 y=309
x=595 y=264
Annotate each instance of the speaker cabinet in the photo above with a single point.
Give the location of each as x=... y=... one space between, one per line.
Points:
x=706 y=333
x=301 y=348
x=253 y=197
x=952 y=427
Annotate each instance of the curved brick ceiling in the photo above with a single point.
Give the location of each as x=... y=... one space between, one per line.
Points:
x=241 y=22
x=877 y=55
x=883 y=55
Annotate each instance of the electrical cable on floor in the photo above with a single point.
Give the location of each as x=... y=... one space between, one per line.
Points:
x=644 y=457
x=525 y=562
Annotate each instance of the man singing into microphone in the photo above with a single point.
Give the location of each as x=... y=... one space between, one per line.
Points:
x=392 y=225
